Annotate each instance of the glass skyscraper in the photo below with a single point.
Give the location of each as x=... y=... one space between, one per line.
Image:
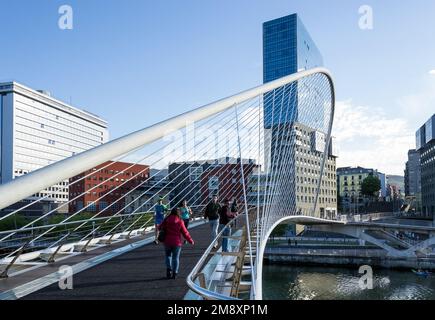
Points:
x=287 y=49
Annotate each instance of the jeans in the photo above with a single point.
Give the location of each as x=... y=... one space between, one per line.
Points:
x=214 y=225
x=226 y=233
x=172 y=255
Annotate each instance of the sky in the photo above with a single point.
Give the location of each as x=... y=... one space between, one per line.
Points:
x=138 y=62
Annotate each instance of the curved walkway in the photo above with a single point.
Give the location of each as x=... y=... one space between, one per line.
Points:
x=138 y=274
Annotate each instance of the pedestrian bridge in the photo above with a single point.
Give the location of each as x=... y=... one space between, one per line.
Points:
x=265 y=147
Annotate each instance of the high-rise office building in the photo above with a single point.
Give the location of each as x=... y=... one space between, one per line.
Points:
x=425 y=137
x=413 y=174
x=288 y=48
x=37 y=130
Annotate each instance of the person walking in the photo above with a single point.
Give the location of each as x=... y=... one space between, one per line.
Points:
x=235 y=210
x=174 y=229
x=186 y=212
x=159 y=216
x=225 y=216
x=212 y=214
x=234 y=207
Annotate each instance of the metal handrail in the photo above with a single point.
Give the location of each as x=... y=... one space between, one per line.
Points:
x=203 y=292
x=71 y=222
x=51 y=236
x=79 y=221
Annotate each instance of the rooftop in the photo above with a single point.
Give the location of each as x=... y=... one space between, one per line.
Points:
x=46 y=98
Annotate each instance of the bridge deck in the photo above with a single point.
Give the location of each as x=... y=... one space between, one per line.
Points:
x=138 y=274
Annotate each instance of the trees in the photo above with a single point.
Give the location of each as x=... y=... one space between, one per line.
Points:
x=12 y=223
x=370 y=186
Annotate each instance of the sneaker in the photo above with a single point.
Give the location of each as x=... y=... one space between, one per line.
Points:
x=174 y=275
x=216 y=245
x=168 y=273
x=156 y=241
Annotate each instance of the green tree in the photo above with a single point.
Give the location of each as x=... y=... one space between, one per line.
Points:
x=370 y=186
x=12 y=223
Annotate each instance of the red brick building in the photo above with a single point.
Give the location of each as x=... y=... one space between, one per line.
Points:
x=225 y=181
x=100 y=184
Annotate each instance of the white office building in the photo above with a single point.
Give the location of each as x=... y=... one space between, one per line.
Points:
x=37 y=130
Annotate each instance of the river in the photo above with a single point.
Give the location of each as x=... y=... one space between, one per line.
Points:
x=326 y=283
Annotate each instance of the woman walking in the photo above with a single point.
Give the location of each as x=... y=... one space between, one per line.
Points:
x=174 y=229
x=186 y=212
x=159 y=215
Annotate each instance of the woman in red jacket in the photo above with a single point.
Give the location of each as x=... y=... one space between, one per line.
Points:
x=174 y=228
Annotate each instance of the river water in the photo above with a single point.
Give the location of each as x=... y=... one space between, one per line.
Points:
x=325 y=283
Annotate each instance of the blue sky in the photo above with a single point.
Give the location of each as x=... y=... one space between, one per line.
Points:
x=137 y=62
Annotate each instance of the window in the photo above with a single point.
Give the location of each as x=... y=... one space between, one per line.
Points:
x=91 y=206
x=195 y=173
x=213 y=183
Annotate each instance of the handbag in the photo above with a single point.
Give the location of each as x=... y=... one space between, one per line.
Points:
x=162 y=236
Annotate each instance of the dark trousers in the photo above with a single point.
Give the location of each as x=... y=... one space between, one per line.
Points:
x=186 y=223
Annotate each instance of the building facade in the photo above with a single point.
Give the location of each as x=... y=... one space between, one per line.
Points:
x=425 y=137
x=413 y=174
x=226 y=182
x=104 y=188
x=397 y=184
x=186 y=180
x=144 y=198
x=198 y=181
x=37 y=130
x=349 y=182
x=308 y=158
